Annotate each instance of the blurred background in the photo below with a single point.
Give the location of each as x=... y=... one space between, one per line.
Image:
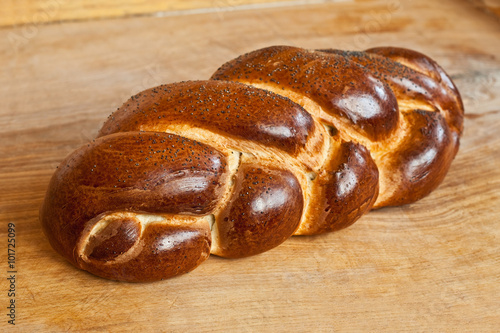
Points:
x=20 y=12
x=43 y=11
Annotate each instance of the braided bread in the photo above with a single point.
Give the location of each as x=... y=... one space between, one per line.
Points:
x=396 y=102
x=223 y=167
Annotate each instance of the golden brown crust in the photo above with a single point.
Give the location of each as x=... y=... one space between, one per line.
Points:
x=163 y=251
x=142 y=203
x=267 y=116
x=114 y=239
x=416 y=80
x=264 y=211
x=340 y=87
x=228 y=109
x=412 y=149
x=432 y=108
x=424 y=159
x=135 y=172
x=425 y=65
x=188 y=169
x=340 y=193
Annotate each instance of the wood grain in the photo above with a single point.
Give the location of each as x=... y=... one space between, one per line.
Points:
x=489 y=6
x=429 y=266
x=34 y=12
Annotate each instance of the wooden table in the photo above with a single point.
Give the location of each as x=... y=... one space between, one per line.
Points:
x=429 y=266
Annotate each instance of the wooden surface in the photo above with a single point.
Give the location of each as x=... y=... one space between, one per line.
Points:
x=432 y=266
x=489 y=6
x=33 y=12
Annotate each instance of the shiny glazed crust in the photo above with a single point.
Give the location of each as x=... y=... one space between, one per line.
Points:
x=192 y=168
x=396 y=102
x=224 y=167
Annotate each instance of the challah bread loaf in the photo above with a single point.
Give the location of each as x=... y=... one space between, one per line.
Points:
x=398 y=103
x=190 y=168
x=281 y=141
